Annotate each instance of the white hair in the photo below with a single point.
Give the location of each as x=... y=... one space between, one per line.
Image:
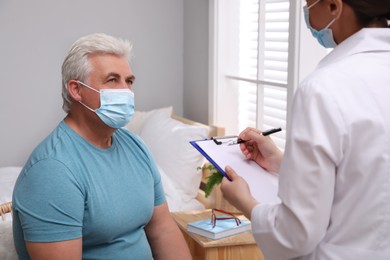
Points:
x=76 y=65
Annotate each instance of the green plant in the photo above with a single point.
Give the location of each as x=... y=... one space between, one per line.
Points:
x=213 y=179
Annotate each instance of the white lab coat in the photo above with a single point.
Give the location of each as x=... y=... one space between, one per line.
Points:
x=334 y=180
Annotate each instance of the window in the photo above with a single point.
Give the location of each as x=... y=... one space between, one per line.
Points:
x=256 y=63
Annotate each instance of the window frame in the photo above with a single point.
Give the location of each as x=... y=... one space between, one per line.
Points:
x=304 y=54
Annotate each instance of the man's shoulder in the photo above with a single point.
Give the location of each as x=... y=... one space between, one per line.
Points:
x=52 y=139
x=51 y=147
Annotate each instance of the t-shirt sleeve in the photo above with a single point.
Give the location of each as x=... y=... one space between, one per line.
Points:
x=49 y=203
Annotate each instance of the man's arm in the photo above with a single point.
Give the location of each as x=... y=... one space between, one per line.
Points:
x=67 y=250
x=165 y=237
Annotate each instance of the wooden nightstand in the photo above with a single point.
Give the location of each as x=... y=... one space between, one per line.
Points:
x=240 y=246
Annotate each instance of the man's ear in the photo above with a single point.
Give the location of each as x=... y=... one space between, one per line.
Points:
x=335 y=7
x=74 y=90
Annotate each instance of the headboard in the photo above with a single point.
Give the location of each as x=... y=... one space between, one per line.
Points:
x=214 y=130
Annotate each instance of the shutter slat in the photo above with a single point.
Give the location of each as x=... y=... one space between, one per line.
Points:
x=275 y=65
x=274 y=121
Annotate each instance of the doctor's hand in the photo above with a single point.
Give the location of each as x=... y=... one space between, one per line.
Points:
x=260 y=149
x=237 y=192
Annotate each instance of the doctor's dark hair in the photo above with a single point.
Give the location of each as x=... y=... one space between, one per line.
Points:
x=76 y=65
x=368 y=11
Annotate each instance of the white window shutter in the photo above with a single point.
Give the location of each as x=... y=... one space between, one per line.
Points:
x=255 y=69
x=264 y=104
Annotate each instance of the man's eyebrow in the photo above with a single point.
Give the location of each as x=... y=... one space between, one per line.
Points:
x=116 y=75
x=112 y=74
x=132 y=78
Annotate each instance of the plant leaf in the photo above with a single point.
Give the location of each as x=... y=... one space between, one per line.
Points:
x=215 y=178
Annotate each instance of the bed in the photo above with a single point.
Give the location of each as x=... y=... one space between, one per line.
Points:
x=167 y=136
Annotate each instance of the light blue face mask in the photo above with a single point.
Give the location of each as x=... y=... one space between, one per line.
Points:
x=116 y=106
x=324 y=36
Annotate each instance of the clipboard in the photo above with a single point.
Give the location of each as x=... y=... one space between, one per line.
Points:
x=262 y=184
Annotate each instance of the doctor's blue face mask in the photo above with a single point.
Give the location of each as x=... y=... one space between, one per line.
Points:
x=324 y=36
x=116 y=106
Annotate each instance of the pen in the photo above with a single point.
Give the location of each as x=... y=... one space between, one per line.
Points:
x=265 y=133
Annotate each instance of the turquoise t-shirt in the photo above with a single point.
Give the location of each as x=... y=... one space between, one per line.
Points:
x=70 y=189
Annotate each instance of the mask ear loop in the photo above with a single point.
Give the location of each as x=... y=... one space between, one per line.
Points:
x=85 y=85
x=86 y=106
x=313 y=4
x=330 y=24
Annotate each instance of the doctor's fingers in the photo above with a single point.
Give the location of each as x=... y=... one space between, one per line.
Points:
x=249 y=149
x=235 y=191
x=247 y=133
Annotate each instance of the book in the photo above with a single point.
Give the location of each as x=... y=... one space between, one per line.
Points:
x=262 y=184
x=223 y=228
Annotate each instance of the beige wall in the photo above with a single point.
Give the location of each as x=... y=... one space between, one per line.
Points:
x=35 y=36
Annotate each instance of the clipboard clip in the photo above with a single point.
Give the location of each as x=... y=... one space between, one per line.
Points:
x=219 y=140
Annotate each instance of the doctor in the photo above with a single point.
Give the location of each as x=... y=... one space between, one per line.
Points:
x=335 y=173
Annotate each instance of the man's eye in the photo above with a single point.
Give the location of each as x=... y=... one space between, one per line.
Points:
x=130 y=82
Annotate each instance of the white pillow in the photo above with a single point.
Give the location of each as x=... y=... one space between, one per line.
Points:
x=170 y=191
x=139 y=118
x=174 y=199
x=168 y=141
x=7 y=248
x=8 y=176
